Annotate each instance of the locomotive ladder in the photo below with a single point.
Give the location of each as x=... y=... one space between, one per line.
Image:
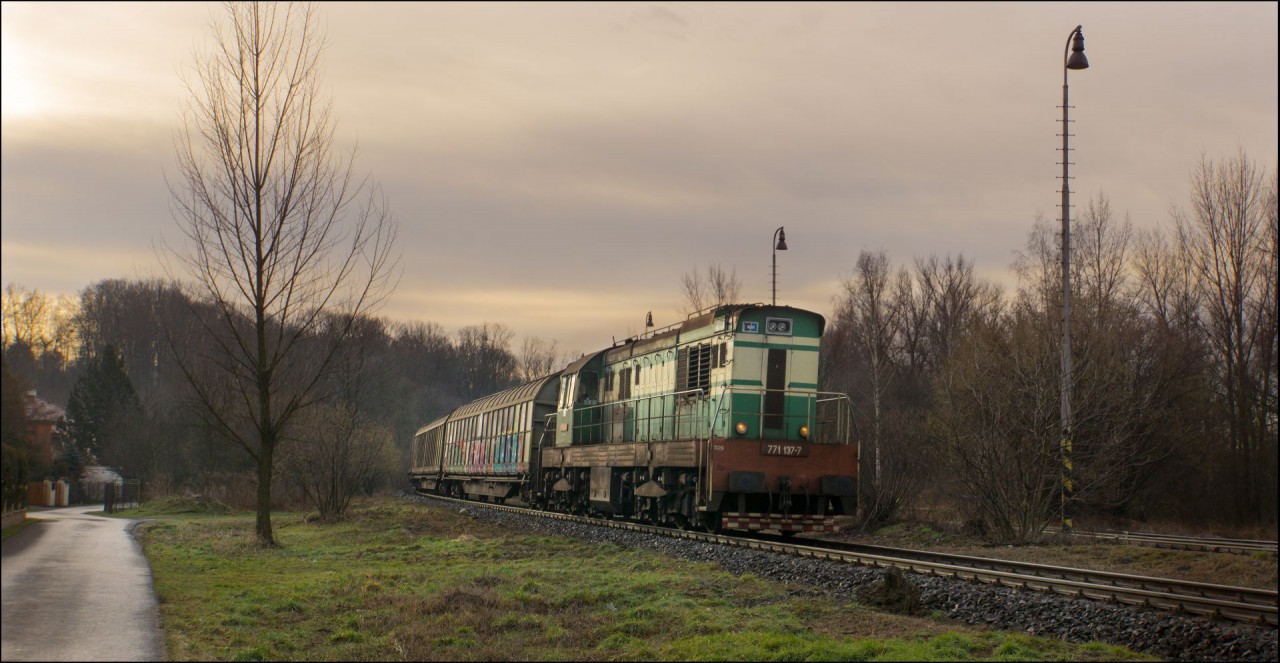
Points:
x=704 y=453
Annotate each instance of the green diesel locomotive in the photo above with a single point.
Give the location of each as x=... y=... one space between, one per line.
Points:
x=715 y=422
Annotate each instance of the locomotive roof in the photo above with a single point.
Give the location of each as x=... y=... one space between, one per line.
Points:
x=582 y=361
x=519 y=394
x=707 y=316
x=668 y=336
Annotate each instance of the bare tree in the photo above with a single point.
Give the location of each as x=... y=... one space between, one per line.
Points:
x=1104 y=248
x=1229 y=240
x=24 y=315
x=995 y=424
x=487 y=364
x=1165 y=287
x=1123 y=389
x=280 y=232
x=38 y=321
x=868 y=354
x=953 y=301
x=716 y=288
x=537 y=358
x=336 y=450
x=337 y=454
x=873 y=316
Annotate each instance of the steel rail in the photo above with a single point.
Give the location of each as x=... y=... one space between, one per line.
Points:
x=1189 y=588
x=1181 y=542
x=1254 y=613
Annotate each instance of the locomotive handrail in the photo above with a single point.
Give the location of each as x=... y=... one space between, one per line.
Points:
x=846 y=424
x=813 y=417
x=596 y=423
x=695 y=414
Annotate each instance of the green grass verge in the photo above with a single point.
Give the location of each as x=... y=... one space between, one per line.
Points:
x=398 y=581
x=10 y=531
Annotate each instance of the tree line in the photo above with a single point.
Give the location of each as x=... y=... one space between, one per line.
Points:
x=957 y=383
x=131 y=406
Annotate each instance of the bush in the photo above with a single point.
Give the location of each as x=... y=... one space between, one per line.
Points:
x=15 y=477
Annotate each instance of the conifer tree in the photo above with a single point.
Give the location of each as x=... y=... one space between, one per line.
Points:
x=102 y=407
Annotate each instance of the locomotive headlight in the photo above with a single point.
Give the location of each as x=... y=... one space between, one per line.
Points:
x=741 y=428
x=804 y=431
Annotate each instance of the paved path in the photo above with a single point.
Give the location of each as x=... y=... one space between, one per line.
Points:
x=77 y=588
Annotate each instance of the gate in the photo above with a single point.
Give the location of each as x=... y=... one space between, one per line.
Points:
x=120 y=495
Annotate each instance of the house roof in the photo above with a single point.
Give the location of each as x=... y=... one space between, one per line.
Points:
x=39 y=410
x=101 y=474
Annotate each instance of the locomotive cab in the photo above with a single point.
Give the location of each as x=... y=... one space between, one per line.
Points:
x=781 y=459
x=576 y=415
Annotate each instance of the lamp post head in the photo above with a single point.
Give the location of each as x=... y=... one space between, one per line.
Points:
x=782 y=240
x=1077 y=60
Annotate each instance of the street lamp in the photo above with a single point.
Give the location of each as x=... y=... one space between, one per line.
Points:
x=780 y=244
x=1072 y=58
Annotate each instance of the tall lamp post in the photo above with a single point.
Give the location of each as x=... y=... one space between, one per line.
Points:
x=780 y=244
x=1072 y=58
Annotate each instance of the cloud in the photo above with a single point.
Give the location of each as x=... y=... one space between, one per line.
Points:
x=62 y=268
x=595 y=152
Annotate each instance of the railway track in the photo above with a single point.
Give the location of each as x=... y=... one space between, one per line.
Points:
x=1187 y=588
x=1179 y=542
x=1240 y=604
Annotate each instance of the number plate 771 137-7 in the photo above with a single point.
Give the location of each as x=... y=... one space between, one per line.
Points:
x=779 y=449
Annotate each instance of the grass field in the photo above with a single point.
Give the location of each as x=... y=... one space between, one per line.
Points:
x=400 y=581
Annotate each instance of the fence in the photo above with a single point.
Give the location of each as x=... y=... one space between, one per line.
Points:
x=14 y=513
x=118 y=495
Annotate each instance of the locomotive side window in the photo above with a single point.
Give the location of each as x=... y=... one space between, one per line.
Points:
x=589 y=387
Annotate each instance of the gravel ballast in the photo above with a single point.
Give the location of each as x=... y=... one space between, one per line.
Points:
x=1153 y=632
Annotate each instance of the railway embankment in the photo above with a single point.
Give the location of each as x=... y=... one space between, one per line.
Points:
x=1169 y=636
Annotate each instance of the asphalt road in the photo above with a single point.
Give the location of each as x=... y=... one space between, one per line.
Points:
x=76 y=587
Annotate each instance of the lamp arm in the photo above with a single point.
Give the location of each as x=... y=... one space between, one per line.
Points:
x=1066 y=52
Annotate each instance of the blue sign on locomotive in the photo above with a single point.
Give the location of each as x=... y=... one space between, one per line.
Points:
x=716 y=423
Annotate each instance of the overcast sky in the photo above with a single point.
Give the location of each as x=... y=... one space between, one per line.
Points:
x=558 y=167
